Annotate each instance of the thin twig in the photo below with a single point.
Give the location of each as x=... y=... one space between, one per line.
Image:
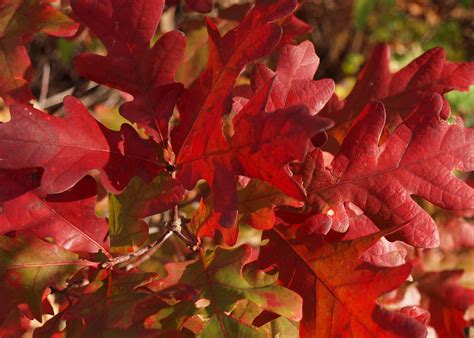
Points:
x=121 y=259
x=44 y=84
x=146 y=252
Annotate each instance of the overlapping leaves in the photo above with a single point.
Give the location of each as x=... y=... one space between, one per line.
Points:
x=254 y=150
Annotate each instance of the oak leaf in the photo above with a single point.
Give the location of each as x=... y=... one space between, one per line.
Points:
x=68 y=148
x=447 y=301
x=417 y=159
x=130 y=64
x=224 y=277
x=69 y=218
x=402 y=91
x=340 y=291
x=128 y=230
x=30 y=265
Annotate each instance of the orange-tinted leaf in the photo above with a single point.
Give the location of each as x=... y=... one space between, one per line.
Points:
x=339 y=290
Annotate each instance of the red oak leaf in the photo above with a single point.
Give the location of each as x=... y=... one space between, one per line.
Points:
x=204 y=105
x=261 y=147
x=292 y=28
x=126 y=30
x=68 y=148
x=447 y=301
x=15 y=325
x=339 y=290
x=209 y=99
x=293 y=83
x=262 y=143
x=382 y=253
x=68 y=218
x=400 y=92
x=417 y=159
x=19 y=20
x=255 y=202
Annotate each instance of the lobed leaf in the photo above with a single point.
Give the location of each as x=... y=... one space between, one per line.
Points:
x=68 y=148
x=30 y=265
x=262 y=143
x=127 y=229
x=130 y=64
x=339 y=299
x=447 y=301
x=402 y=91
x=417 y=159
x=224 y=277
x=69 y=218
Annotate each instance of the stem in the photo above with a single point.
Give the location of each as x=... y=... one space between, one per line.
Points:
x=146 y=252
x=121 y=259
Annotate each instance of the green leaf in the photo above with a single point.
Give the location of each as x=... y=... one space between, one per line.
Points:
x=225 y=277
x=226 y=326
x=281 y=327
x=119 y=303
x=127 y=229
x=28 y=266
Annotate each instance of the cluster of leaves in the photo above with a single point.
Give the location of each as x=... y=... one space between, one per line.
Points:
x=241 y=147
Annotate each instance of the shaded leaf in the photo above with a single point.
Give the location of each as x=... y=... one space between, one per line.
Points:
x=127 y=229
x=119 y=303
x=447 y=301
x=19 y=20
x=28 y=266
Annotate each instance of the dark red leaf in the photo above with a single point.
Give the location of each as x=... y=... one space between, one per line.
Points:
x=130 y=65
x=201 y=6
x=262 y=143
